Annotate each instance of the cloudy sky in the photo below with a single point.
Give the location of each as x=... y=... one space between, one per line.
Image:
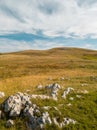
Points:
x=43 y=24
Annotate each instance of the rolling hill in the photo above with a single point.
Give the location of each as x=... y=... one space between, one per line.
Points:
x=69 y=67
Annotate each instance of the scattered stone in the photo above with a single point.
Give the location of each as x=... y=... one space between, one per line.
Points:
x=66 y=92
x=39 y=86
x=78 y=96
x=40 y=96
x=35 y=122
x=69 y=104
x=56 y=122
x=84 y=84
x=2 y=94
x=53 y=86
x=71 y=98
x=44 y=119
x=66 y=121
x=9 y=123
x=54 y=90
x=83 y=91
x=46 y=107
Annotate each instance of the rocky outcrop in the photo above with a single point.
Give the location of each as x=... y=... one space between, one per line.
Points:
x=15 y=103
x=20 y=105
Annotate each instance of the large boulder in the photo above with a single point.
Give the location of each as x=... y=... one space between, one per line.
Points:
x=15 y=103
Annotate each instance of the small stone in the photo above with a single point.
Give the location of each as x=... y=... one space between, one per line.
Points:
x=78 y=96
x=46 y=107
x=39 y=86
x=69 y=104
x=71 y=98
x=9 y=123
x=2 y=94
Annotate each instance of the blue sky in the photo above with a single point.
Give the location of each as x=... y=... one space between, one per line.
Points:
x=44 y=24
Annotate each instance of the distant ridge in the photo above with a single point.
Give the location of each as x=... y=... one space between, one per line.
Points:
x=28 y=52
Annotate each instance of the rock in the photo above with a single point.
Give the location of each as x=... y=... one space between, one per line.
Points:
x=84 y=84
x=44 y=119
x=46 y=107
x=39 y=86
x=54 y=96
x=9 y=123
x=66 y=92
x=83 y=91
x=40 y=96
x=34 y=121
x=15 y=103
x=69 y=104
x=54 y=90
x=78 y=96
x=71 y=98
x=66 y=121
x=2 y=94
x=53 y=86
x=56 y=122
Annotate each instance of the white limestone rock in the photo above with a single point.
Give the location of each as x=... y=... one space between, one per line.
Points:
x=40 y=96
x=36 y=122
x=9 y=123
x=66 y=121
x=15 y=103
x=2 y=94
x=39 y=86
x=66 y=92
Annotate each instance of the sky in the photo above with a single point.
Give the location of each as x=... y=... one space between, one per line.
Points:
x=45 y=24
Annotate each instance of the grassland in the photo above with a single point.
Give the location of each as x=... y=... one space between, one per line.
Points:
x=21 y=71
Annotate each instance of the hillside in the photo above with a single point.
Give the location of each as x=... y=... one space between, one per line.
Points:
x=69 y=67
x=50 y=61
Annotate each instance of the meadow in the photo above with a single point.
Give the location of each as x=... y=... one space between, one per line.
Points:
x=21 y=71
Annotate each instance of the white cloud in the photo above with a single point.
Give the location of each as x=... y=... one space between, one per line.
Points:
x=7 y=45
x=54 y=18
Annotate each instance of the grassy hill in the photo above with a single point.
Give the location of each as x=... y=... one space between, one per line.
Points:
x=21 y=71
